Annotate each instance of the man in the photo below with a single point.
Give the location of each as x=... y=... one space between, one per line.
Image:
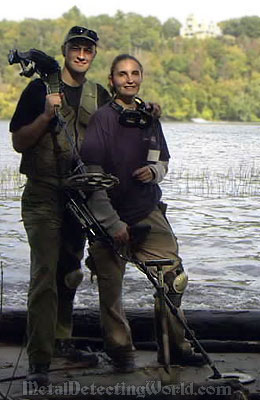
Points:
x=56 y=241
x=123 y=139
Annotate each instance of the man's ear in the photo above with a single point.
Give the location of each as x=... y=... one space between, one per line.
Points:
x=63 y=50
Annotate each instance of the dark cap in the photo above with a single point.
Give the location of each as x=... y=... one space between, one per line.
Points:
x=80 y=32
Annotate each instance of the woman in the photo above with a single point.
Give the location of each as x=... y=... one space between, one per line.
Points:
x=127 y=142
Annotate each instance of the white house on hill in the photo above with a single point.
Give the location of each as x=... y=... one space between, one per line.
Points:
x=200 y=30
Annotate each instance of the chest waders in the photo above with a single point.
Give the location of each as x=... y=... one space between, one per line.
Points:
x=49 y=71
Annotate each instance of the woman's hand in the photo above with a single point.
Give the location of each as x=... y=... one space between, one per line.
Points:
x=122 y=235
x=154 y=109
x=144 y=174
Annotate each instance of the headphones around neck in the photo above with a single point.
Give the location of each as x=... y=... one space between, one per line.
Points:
x=140 y=117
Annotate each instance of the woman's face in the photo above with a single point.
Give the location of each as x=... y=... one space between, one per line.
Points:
x=126 y=79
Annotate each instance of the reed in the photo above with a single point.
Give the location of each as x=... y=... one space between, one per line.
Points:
x=236 y=183
x=11 y=182
x=240 y=183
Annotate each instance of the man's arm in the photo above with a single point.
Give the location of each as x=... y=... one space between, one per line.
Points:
x=28 y=135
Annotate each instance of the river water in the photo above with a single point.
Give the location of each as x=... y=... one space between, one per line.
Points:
x=213 y=195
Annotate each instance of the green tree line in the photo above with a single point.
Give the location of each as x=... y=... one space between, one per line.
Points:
x=214 y=78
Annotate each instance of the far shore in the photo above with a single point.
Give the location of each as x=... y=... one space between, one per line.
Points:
x=197 y=121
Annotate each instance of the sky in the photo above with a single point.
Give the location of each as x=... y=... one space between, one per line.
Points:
x=204 y=10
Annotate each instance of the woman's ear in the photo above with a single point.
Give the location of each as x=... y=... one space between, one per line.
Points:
x=110 y=83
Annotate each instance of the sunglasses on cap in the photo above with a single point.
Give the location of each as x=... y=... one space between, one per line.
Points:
x=84 y=32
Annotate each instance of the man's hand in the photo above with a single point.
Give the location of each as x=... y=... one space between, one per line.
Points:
x=144 y=174
x=122 y=235
x=52 y=102
x=154 y=109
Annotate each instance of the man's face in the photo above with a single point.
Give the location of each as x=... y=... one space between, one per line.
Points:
x=126 y=79
x=79 y=54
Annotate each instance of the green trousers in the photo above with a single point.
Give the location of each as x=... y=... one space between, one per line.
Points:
x=159 y=243
x=56 y=248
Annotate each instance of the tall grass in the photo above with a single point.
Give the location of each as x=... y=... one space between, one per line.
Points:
x=241 y=183
x=11 y=182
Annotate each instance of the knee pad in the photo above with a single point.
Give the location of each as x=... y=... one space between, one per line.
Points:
x=180 y=282
x=73 y=279
x=176 y=281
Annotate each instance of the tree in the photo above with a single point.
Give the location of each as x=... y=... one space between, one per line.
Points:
x=248 y=26
x=215 y=78
x=171 y=28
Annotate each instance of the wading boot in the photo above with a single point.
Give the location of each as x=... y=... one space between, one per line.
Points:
x=122 y=361
x=38 y=374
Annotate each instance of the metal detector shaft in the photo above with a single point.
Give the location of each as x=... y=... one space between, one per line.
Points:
x=174 y=311
x=163 y=318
